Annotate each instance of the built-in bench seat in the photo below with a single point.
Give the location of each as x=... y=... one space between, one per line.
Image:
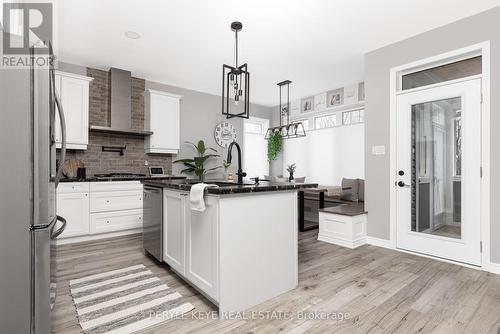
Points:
x=343 y=224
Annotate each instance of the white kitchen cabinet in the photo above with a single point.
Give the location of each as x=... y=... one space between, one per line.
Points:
x=115 y=200
x=74 y=93
x=162 y=117
x=99 y=209
x=201 y=247
x=115 y=206
x=115 y=221
x=222 y=250
x=174 y=216
x=74 y=207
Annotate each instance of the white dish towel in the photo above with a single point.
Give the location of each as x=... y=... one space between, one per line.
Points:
x=196 y=195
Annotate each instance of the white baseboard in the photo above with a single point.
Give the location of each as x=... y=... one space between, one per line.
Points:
x=379 y=242
x=92 y=237
x=494 y=268
x=342 y=242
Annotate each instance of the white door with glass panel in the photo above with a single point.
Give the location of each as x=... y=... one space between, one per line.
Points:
x=438 y=171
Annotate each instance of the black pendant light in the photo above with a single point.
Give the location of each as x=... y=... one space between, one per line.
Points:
x=287 y=130
x=235 y=84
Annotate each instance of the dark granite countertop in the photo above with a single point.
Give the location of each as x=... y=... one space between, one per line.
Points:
x=226 y=188
x=347 y=209
x=132 y=178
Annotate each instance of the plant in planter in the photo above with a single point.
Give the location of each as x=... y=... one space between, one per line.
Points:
x=291 y=169
x=274 y=145
x=196 y=165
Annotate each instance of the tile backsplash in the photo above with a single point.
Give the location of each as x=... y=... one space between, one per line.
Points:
x=134 y=156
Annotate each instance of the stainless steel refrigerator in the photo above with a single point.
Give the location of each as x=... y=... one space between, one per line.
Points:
x=29 y=223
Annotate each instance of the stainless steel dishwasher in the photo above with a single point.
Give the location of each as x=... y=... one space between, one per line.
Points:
x=152 y=229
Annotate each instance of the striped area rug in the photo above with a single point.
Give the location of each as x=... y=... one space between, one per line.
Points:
x=124 y=301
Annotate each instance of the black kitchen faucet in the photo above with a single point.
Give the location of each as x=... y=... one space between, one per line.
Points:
x=240 y=172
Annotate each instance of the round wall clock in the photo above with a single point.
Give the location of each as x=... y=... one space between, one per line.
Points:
x=225 y=134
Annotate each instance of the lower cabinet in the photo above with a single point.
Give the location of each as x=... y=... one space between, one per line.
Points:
x=74 y=207
x=99 y=207
x=202 y=245
x=190 y=240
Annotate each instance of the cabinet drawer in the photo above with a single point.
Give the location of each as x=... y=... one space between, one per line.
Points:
x=115 y=200
x=115 y=221
x=73 y=187
x=115 y=186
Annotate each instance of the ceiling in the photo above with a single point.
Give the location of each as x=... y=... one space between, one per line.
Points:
x=318 y=44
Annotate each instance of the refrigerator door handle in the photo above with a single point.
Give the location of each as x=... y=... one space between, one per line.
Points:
x=55 y=234
x=63 y=131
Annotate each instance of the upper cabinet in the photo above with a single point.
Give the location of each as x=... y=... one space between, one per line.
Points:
x=162 y=117
x=73 y=90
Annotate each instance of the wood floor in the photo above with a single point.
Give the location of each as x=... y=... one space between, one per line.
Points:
x=381 y=290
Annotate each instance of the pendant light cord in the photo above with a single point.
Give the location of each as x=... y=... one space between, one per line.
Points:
x=236 y=46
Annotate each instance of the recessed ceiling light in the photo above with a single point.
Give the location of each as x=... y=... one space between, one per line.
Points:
x=132 y=35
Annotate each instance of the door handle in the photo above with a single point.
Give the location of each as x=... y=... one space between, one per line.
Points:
x=401 y=184
x=62 y=120
x=55 y=234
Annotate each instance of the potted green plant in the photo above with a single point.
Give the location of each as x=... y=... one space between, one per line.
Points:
x=291 y=169
x=274 y=146
x=196 y=165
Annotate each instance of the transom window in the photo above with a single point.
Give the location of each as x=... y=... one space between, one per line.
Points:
x=325 y=121
x=255 y=128
x=452 y=71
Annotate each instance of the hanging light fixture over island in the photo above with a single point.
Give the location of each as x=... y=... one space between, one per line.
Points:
x=235 y=84
x=287 y=130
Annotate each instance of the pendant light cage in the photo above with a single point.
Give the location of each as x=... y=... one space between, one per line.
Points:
x=235 y=84
x=286 y=129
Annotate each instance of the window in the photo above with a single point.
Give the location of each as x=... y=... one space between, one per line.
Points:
x=352 y=117
x=325 y=121
x=457 y=145
x=255 y=128
x=255 y=152
x=305 y=123
x=459 y=69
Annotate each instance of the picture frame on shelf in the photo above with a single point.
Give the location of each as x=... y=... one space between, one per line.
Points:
x=295 y=107
x=319 y=101
x=335 y=98
x=361 y=91
x=307 y=104
x=351 y=94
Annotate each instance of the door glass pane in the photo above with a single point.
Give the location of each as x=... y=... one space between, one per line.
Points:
x=460 y=69
x=436 y=167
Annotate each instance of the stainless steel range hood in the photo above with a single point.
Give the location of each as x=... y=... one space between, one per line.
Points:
x=120 y=103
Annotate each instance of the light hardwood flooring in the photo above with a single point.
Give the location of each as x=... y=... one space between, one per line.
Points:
x=383 y=291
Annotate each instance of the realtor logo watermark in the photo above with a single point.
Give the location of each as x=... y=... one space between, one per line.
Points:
x=26 y=26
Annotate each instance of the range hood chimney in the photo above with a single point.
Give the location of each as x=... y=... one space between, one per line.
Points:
x=120 y=104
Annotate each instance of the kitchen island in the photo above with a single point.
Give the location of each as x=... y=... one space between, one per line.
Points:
x=241 y=251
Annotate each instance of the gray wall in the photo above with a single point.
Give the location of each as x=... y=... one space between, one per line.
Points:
x=200 y=112
x=472 y=30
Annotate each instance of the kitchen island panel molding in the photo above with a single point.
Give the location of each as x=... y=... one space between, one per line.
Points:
x=258 y=248
x=241 y=251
